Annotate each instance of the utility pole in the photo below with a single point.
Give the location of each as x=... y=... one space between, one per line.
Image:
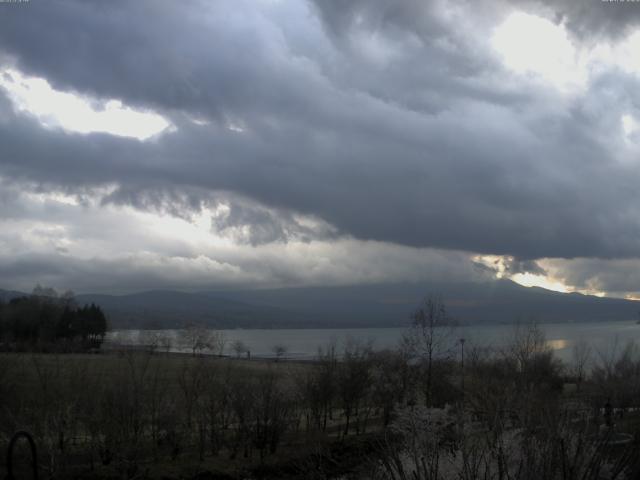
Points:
x=461 y=413
x=462 y=366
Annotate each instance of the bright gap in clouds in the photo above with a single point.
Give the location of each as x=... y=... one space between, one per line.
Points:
x=534 y=45
x=500 y=264
x=629 y=126
x=533 y=280
x=74 y=113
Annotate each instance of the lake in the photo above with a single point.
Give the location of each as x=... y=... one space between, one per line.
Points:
x=304 y=343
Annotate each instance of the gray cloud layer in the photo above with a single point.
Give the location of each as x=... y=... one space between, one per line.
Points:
x=386 y=121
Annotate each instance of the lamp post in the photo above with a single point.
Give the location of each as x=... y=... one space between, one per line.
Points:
x=461 y=413
x=462 y=366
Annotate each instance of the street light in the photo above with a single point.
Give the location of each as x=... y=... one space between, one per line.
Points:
x=462 y=384
x=462 y=365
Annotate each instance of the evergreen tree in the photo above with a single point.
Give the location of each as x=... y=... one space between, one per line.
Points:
x=44 y=318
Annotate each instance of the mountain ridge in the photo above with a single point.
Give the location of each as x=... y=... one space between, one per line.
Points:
x=375 y=305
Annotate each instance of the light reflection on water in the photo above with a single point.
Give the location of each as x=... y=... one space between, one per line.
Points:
x=304 y=343
x=557 y=344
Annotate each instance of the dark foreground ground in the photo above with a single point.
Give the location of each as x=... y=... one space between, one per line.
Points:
x=141 y=415
x=518 y=413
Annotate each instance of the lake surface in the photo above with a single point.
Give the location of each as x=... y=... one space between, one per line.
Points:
x=304 y=343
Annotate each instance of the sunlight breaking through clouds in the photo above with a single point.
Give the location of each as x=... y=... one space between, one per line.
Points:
x=530 y=44
x=532 y=280
x=533 y=274
x=629 y=125
x=64 y=238
x=75 y=113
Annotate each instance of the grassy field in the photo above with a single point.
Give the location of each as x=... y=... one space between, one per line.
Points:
x=140 y=414
x=156 y=408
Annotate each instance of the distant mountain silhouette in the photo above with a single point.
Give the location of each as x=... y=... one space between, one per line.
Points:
x=500 y=301
x=174 y=309
x=6 y=295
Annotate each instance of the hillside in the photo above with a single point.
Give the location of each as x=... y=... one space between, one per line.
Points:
x=354 y=306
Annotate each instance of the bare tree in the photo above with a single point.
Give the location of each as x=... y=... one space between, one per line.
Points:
x=616 y=375
x=68 y=298
x=239 y=347
x=165 y=341
x=44 y=292
x=533 y=365
x=581 y=357
x=390 y=381
x=198 y=338
x=528 y=340
x=242 y=394
x=354 y=382
x=430 y=338
x=279 y=350
x=272 y=408
x=215 y=404
x=156 y=402
x=149 y=340
x=317 y=388
x=217 y=343
x=191 y=378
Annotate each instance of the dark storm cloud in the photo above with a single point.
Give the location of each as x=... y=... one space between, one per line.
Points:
x=241 y=219
x=515 y=266
x=255 y=225
x=107 y=248
x=591 y=20
x=434 y=59
x=214 y=58
x=384 y=121
x=618 y=277
x=507 y=267
x=161 y=198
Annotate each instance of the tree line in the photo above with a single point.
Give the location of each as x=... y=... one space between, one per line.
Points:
x=47 y=321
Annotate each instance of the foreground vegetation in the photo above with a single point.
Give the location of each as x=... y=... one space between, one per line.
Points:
x=434 y=408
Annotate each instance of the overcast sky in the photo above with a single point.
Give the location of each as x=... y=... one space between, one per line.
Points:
x=255 y=143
